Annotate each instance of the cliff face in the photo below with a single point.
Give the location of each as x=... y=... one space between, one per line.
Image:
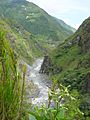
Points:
x=88 y=83
x=45 y=67
x=84 y=38
x=48 y=67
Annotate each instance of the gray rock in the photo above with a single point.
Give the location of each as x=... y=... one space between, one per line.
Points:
x=48 y=68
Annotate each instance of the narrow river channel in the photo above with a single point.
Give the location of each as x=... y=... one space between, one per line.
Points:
x=39 y=82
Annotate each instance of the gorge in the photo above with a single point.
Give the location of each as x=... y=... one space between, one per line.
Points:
x=42 y=61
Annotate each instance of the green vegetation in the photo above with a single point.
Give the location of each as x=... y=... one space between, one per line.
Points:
x=36 y=21
x=9 y=81
x=73 y=57
x=25 y=44
x=26 y=33
x=31 y=31
x=12 y=104
x=61 y=106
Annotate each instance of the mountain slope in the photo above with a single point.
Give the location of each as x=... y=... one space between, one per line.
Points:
x=73 y=55
x=67 y=27
x=69 y=64
x=36 y=21
x=23 y=43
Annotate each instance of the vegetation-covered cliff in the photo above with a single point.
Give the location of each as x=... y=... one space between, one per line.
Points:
x=71 y=61
x=23 y=43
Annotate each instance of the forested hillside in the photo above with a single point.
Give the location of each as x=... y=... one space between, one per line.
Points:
x=36 y=21
x=69 y=64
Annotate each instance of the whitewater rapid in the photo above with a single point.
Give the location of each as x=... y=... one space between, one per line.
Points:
x=41 y=81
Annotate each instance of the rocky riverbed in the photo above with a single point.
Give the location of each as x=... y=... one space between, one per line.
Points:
x=37 y=85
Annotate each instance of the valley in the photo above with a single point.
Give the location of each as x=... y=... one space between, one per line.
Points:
x=44 y=65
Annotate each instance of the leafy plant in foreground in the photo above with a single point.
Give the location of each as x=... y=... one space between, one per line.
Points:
x=9 y=81
x=61 y=106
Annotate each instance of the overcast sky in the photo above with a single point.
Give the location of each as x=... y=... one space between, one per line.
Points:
x=73 y=12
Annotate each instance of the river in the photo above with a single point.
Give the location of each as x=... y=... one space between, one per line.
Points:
x=37 y=84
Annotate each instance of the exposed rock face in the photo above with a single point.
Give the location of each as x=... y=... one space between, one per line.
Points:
x=84 y=43
x=88 y=83
x=84 y=38
x=47 y=67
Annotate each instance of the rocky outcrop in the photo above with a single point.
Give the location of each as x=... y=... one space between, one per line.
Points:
x=88 y=83
x=48 y=68
x=84 y=37
x=45 y=67
x=84 y=43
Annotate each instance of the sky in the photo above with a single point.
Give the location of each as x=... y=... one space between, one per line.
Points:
x=73 y=12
